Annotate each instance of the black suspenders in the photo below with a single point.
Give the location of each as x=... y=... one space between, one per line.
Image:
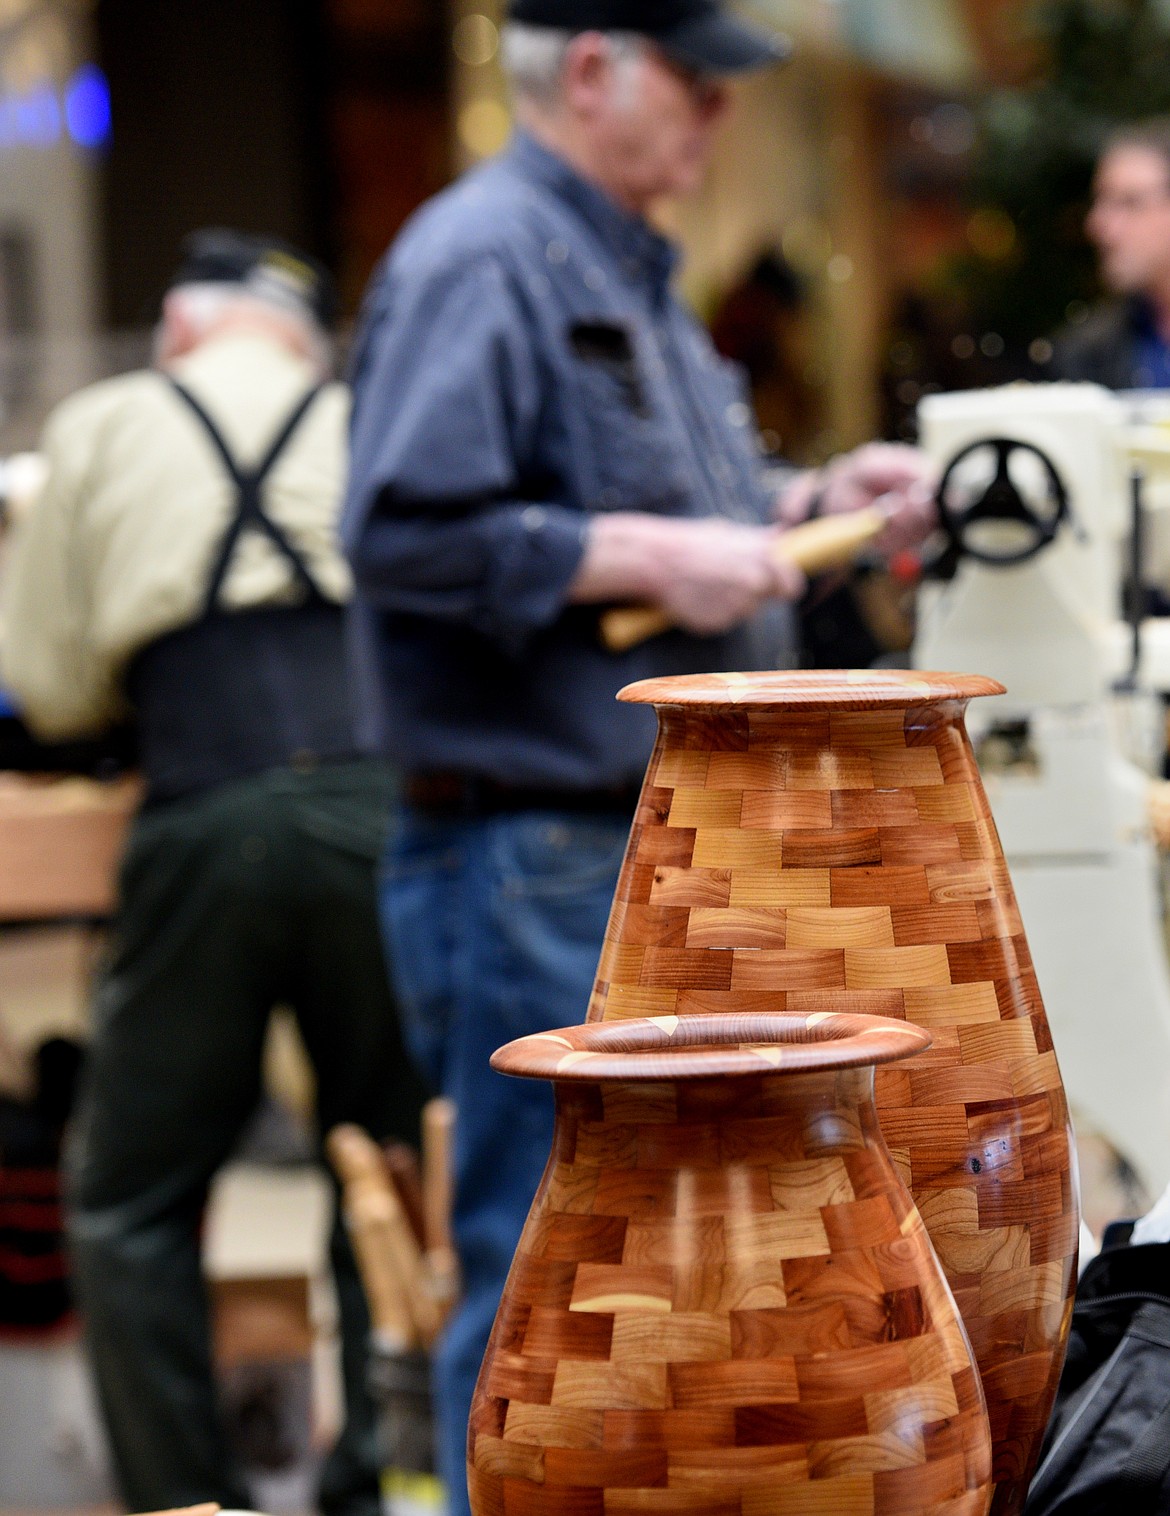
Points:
x=249 y=504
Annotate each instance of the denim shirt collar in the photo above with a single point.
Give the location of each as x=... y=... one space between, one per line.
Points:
x=640 y=251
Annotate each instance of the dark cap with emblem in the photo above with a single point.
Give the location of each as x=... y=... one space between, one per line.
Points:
x=262 y=266
x=701 y=34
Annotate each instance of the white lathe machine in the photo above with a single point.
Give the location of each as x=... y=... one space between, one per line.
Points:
x=1039 y=503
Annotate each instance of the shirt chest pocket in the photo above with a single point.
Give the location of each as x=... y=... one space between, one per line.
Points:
x=632 y=460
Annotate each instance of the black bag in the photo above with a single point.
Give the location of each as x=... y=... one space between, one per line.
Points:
x=1107 y=1449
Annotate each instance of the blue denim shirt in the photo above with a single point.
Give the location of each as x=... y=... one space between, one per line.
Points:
x=522 y=364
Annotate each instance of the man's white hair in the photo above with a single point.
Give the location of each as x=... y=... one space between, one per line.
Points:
x=533 y=58
x=207 y=303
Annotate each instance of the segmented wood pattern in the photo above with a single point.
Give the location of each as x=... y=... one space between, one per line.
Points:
x=724 y=1300
x=823 y=842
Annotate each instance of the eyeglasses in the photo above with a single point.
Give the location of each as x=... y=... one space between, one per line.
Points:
x=1131 y=203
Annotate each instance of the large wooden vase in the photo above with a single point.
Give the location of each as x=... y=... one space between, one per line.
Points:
x=822 y=842
x=724 y=1301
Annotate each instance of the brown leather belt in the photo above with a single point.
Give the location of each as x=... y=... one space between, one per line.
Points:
x=470 y=795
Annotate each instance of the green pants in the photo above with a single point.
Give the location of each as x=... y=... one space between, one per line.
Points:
x=254 y=894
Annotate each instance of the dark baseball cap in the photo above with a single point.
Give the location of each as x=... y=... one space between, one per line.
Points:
x=702 y=34
x=264 y=266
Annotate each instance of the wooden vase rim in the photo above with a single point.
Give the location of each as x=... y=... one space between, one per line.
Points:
x=702 y=1046
x=808 y=690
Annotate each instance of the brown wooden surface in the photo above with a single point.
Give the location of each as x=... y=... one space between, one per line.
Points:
x=60 y=843
x=261 y=1320
x=822 y=842
x=724 y=1301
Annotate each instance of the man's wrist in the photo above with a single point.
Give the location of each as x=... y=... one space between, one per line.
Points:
x=623 y=558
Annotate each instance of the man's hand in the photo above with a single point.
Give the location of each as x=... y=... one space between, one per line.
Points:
x=718 y=573
x=707 y=575
x=901 y=477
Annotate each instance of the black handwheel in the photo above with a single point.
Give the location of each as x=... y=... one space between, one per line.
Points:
x=1001 y=525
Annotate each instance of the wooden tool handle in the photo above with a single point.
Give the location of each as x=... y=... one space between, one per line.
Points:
x=831 y=541
x=814 y=546
x=356 y=1158
x=369 y=1205
x=438 y=1129
x=207 y=1509
x=402 y=1307
x=210 y=1509
x=402 y=1165
x=629 y=626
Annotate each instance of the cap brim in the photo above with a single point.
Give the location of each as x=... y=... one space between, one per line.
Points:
x=720 y=43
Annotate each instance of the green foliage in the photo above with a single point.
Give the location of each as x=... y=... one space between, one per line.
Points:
x=1108 y=62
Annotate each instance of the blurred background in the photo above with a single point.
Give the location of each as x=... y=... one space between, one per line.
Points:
x=899 y=213
x=914 y=185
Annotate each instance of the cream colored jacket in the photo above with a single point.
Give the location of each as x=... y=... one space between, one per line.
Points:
x=119 y=547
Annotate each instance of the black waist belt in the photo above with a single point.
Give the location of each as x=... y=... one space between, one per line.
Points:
x=470 y=796
x=233 y=695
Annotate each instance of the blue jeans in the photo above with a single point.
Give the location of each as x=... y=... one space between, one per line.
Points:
x=494 y=928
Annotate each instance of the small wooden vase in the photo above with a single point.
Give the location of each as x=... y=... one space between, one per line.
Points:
x=822 y=842
x=724 y=1301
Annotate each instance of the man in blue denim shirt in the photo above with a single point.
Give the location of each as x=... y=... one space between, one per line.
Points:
x=540 y=429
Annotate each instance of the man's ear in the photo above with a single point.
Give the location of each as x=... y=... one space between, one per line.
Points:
x=175 y=334
x=587 y=81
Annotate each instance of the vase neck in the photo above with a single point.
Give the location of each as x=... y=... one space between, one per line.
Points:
x=734 y=729
x=805 y=1115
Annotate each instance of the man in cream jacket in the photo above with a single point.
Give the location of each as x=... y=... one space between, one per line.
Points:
x=181 y=567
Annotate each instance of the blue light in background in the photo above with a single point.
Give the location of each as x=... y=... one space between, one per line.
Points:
x=38 y=117
x=87 y=107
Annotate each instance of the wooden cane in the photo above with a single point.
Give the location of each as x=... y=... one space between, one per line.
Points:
x=815 y=546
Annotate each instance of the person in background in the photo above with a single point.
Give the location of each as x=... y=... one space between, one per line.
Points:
x=181 y=565
x=540 y=430
x=1125 y=342
x=762 y=324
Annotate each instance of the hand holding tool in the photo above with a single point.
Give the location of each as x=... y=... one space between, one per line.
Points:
x=814 y=546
